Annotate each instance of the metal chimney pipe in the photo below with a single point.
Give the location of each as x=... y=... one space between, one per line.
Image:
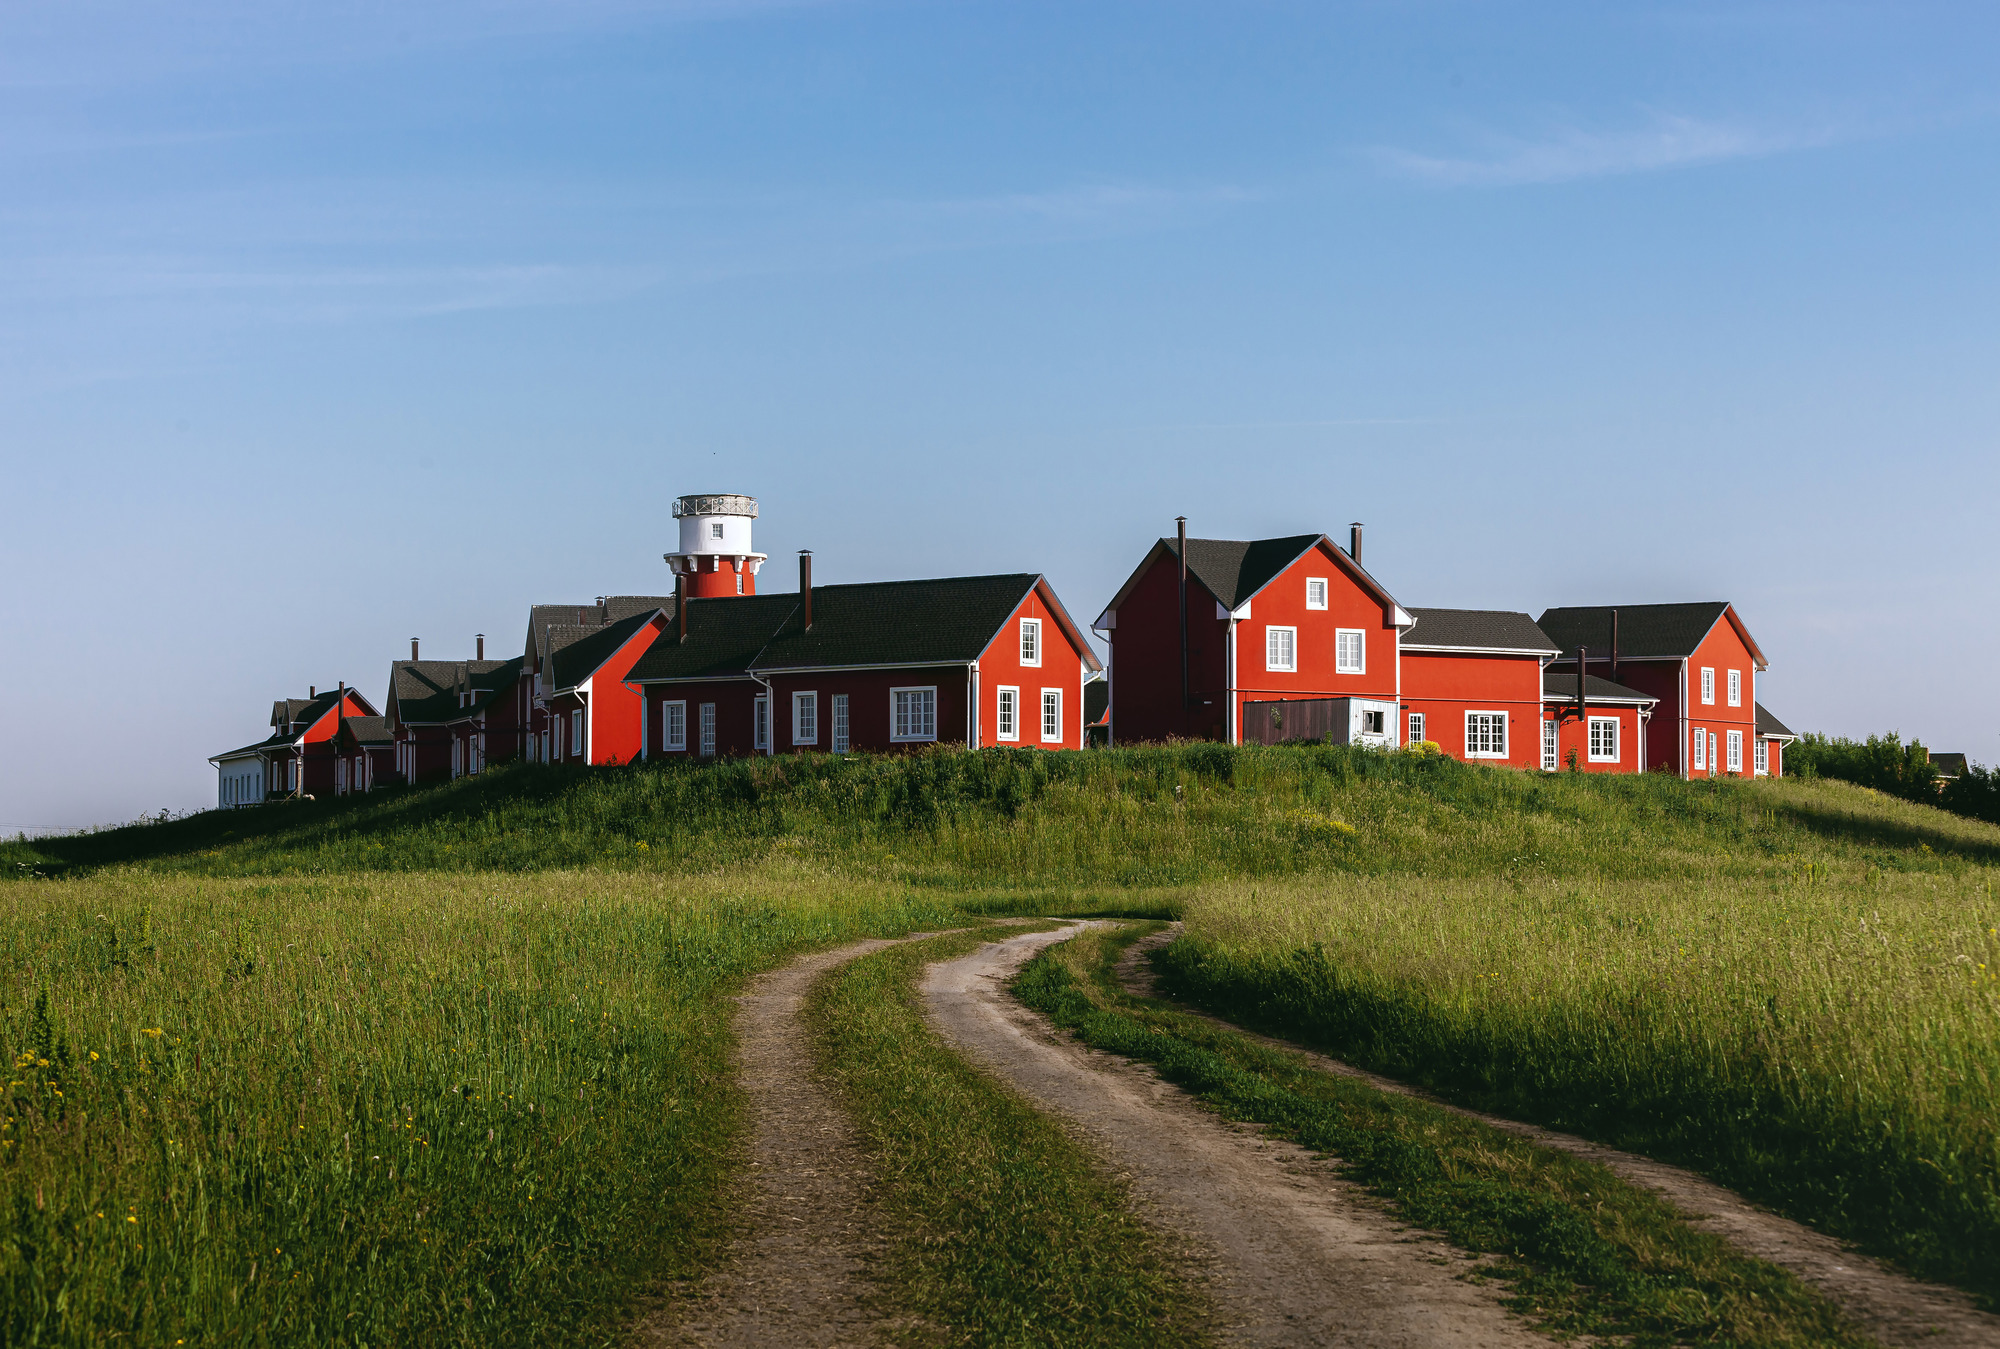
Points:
x=1180 y=542
x=312 y=690
x=479 y=646
x=1582 y=700
x=681 y=603
x=806 y=583
x=1614 y=646
x=413 y=648
x=1354 y=541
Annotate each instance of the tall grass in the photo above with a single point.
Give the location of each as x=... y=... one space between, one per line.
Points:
x=457 y=1110
x=1826 y=1041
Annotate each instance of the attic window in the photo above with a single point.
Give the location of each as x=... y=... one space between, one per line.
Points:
x=1031 y=641
x=1315 y=592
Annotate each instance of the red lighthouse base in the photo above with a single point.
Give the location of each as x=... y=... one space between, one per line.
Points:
x=710 y=575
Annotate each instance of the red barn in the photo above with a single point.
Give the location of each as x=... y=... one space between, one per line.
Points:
x=298 y=758
x=1699 y=660
x=1256 y=639
x=1608 y=736
x=1472 y=684
x=970 y=660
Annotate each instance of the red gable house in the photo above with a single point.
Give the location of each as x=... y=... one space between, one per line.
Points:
x=1265 y=640
x=1472 y=684
x=365 y=755
x=297 y=758
x=970 y=660
x=447 y=717
x=1772 y=737
x=1697 y=659
x=554 y=733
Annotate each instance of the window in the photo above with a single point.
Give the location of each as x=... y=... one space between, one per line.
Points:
x=1763 y=753
x=760 y=723
x=840 y=737
x=805 y=718
x=1551 y=746
x=715 y=529
x=1052 y=726
x=1604 y=740
x=708 y=729
x=1485 y=735
x=1700 y=748
x=1281 y=648
x=1416 y=728
x=1736 y=688
x=1374 y=722
x=673 y=725
x=576 y=733
x=739 y=580
x=1735 y=742
x=1349 y=651
x=1007 y=726
x=1315 y=592
x=1707 y=684
x=913 y=714
x=1031 y=641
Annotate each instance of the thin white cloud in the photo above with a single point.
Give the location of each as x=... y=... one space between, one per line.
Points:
x=1668 y=142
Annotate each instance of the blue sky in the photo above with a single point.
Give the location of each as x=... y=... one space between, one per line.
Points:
x=323 y=326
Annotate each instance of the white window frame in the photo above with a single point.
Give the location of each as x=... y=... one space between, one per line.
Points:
x=1031 y=643
x=760 y=724
x=1341 y=665
x=1733 y=745
x=1590 y=739
x=1275 y=636
x=911 y=737
x=1415 y=725
x=805 y=717
x=1007 y=712
x=1318 y=582
x=843 y=736
x=1551 y=744
x=1736 y=688
x=708 y=730
x=1761 y=756
x=1708 y=685
x=714 y=530
x=1498 y=719
x=1052 y=698
x=1700 y=748
x=576 y=734
x=673 y=726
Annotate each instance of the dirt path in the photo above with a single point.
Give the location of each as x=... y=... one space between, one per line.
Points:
x=1297 y=1254
x=797 y=1274
x=1892 y=1307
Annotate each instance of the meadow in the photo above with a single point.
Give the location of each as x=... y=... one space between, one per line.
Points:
x=450 y=1062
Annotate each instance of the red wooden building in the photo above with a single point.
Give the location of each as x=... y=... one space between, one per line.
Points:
x=1472 y=684
x=574 y=704
x=448 y=718
x=1772 y=737
x=298 y=758
x=1698 y=660
x=365 y=750
x=1253 y=639
x=970 y=660
x=1606 y=735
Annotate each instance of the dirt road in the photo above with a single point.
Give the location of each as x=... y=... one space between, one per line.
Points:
x=797 y=1275
x=1892 y=1307
x=1297 y=1255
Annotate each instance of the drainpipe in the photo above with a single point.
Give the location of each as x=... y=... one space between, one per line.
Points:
x=972 y=705
x=770 y=714
x=1180 y=534
x=1232 y=727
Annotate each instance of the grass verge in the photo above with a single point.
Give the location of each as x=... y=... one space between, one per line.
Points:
x=1580 y=1251
x=1009 y=1233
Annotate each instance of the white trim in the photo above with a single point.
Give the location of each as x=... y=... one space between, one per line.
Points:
x=911 y=737
x=1413 y=728
x=1501 y=718
x=801 y=699
x=1761 y=757
x=1700 y=749
x=1590 y=740
x=842 y=723
x=1360 y=636
x=669 y=742
x=1421 y=647
x=1551 y=744
x=1733 y=746
x=1291 y=643
x=1057 y=738
x=1029 y=634
x=1736 y=688
x=1708 y=686
x=760 y=721
x=1325 y=590
x=1006 y=719
x=707 y=730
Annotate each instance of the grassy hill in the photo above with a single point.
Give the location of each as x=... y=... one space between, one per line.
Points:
x=423 y=1062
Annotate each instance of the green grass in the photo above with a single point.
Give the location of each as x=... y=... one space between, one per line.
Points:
x=372 y=1110
x=1580 y=1251
x=1006 y=1231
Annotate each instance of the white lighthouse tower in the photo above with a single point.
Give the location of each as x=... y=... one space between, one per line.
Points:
x=715 y=554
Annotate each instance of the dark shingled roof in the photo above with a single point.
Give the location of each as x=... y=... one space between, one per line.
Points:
x=1096 y=701
x=424 y=691
x=935 y=622
x=1768 y=724
x=305 y=711
x=724 y=636
x=1949 y=765
x=1644 y=630
x=1562 y=684
x=369 y=730
x=618 y=607
x=1487 y=629
x=578 y=652
x=1235 y=569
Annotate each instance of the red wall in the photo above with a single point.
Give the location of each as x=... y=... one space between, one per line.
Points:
x=735 y=716
x=1723 y=650
x=1282 y=603
x=1571 y=735
x=1445 y=687
x=1061 y=668
x=868 y=707
x=1145 y=660
x=611 y=732
x=721 y=581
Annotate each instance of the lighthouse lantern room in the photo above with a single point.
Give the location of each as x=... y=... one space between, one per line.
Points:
x=715 y=556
